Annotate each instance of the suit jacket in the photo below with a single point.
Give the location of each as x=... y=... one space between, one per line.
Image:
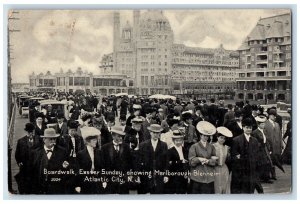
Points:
x=145 y=131
x=131 y=139
x=66 y=142
x=190 y=135
x=63 y=130
x=175 y=164
x=274 y=135
x=264 y=148
x=213 y=114
x=43 y=183
x=116 y=161
x=236 y=131
x=229 y=116
x=244 y=169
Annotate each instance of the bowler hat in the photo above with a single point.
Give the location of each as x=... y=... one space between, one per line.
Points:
x=155 y=128
x=29 y=127
x=118 y=130
x=49 y=133
x=247 y=122
x=206 y=128
x=272 y=112
x=60 y=115
x=186 y=115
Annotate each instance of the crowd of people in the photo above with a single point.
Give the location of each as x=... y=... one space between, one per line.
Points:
x=117 y=145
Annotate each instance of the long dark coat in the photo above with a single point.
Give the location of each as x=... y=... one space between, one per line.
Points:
x=177 y=184
x=119 y=161
x=43 y=183
x=85 y=163
x=151 y=161
x=23 y=155
x=244 y=169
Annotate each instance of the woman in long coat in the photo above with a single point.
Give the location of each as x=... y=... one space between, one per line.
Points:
x=222 y=177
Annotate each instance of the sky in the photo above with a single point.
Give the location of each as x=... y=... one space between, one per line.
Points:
x=67 y=39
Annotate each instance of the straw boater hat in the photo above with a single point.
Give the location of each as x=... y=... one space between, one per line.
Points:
x=155 y=128
x=224 y=131
x=118 y=130
x=206 y=128
x=261 y=119
x=49 y=133
x=88 y=132
x=177 y=134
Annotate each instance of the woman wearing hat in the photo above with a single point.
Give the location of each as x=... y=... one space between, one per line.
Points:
x=89 y=160
x=39 y=124
x=178 y=163
x=202 y=161
x=24 y=147
x=222 y=179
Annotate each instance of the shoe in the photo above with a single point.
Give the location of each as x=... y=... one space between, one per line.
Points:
x=274 y=178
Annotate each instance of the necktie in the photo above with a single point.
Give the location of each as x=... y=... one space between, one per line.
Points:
x=49 y=153
x=49 y=150
x=117 y=148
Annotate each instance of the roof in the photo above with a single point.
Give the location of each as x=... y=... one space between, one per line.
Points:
x=276 y=30
x=258 y=33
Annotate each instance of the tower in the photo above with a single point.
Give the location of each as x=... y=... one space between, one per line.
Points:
x=116 y=42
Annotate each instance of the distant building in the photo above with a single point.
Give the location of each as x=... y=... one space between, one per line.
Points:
x=265 y=61
x=202 y=70
x=20 y=87
x=146 y=54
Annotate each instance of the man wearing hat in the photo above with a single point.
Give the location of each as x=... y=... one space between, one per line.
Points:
x=116 y=157
x=134 y=135
x=244 y=157
x=39 y=124
x=90 y=160
x=190 y=135
x=235 y=126
x=274 y=135
x=202 y=161
x=136 y=112
x=178 y=162
x=23 y=157
x=48 y=158
x=265 y=163
x=222 y=179
x=153 y=157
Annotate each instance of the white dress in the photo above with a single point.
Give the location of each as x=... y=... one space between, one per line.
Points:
x=222 y=177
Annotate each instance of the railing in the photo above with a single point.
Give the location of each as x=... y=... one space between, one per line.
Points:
x=11 y=128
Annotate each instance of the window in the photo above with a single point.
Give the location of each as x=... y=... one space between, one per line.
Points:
x=71 y=81
x=142 y=80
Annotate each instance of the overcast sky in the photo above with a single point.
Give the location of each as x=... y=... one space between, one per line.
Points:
x=51 y=40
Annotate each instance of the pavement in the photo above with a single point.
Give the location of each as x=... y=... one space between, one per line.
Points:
x=281 y=185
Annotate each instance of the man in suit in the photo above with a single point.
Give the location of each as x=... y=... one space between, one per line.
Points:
x=178 y=162
x=235 y=126
x=244 y=156
x=274 y=135
x=264 y=161
x=213 y=112
x=90 y=163
x=46 y=159
x=153 y=157
x=116 y=157
x=23 y=157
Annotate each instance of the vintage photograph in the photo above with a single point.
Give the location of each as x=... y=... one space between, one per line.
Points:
x=150 y=101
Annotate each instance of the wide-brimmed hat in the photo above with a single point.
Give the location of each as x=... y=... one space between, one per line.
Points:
x=155 y=128
x=49 y=133
x=177 y=134
x=118 y=130
x=73 y=124
x=261 y=119
x=224 y=131
x=29 y=127
x=39 y=115
x=206 y=128
x=87 y=132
